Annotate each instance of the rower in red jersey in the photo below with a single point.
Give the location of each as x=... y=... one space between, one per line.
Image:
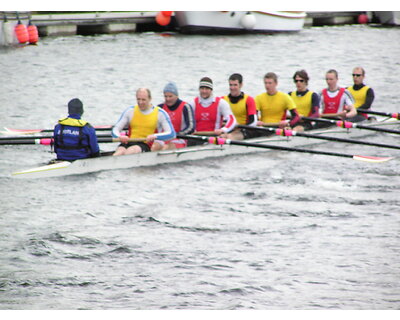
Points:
x=212 y=113
x=336 y=101
x=182 y=118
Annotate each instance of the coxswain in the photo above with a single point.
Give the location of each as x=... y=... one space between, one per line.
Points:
x=212 y=114
x=273 y=105
x=363 y=95
x=243 y=107
x=75 y=138
x=182 y=118
x=306 y=101
x=146 y=122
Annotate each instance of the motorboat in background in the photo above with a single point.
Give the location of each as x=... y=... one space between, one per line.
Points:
x=225 y=22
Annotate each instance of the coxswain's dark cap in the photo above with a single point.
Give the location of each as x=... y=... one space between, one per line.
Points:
x=75 y=106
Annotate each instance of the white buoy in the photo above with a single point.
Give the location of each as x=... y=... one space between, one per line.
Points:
x=248 y=21
x=8 y=33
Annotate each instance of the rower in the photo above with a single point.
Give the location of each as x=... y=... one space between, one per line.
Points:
x=273 y=105
x=182 y=118
x=243 y=107
x=362 y=94
x=210 y=112
x=146 y=122
x=75 y=138
x=336 y=101
x=307 y=102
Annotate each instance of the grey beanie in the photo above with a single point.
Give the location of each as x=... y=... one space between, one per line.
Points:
x=75 y=106
x=171 y=87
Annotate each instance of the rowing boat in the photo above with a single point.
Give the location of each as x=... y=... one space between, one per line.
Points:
x=90 y=165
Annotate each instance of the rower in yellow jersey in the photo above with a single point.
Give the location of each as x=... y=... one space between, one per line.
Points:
x=363 y=95
x=307 y=102
x=273 y=104
x=144 y=121
x=243 y=107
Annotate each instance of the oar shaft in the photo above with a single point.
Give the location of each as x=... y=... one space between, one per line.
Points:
x=395 y=115
x=30 y=131
x=213 y=140
x=288 y=133
x=43 y=141
x=50 y=141
x=221 y=141
x=39 y=137
x=348 y=125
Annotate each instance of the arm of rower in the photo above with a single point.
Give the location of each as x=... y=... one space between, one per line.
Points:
x=94 y=146
x=165 y=129
x=315 y=106
x=188 y=119
x=225 y=110
x=122 y=122
x=251 y=112
x=368 y=100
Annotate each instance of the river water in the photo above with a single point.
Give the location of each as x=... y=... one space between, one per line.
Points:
x=266 y=231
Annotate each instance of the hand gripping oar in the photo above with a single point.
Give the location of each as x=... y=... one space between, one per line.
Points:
x=348 y=125
x=395 y=115
x=222 y=141
x=288 y=133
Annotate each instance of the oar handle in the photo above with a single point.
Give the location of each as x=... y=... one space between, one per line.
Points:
x=204 y=133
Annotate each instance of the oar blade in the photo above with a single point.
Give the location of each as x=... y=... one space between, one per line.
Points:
x=20 y=131
x=372 y=159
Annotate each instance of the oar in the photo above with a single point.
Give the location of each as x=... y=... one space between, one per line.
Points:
x=221 y=141
x=204 y=133
x=42 y=137
x=288 y=133
x=50 y=141
x=348 y=125
x=395 y=115
x=30 y=131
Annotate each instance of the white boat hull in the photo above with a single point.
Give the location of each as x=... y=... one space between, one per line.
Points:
x=185 y=154
x=239 y=21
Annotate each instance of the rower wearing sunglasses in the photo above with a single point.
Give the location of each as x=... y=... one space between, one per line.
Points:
x=307 y=102
x=362 y=94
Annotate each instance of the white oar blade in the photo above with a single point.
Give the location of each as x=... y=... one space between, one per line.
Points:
x=372 y=159
x=20 y=131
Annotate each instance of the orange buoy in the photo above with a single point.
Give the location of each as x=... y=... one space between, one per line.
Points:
x=33 y=33
x=162 y=20
x=21 y=32
x=167 y=13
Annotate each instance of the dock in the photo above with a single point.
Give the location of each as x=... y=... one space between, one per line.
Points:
x=90 y=23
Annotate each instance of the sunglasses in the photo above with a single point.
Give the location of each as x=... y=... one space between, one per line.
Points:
x=299 y=80
x=357 y=75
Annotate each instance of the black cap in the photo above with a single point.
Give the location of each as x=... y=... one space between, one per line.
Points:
x=75 y=106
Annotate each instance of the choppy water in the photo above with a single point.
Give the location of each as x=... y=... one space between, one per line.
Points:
x=265 y=231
